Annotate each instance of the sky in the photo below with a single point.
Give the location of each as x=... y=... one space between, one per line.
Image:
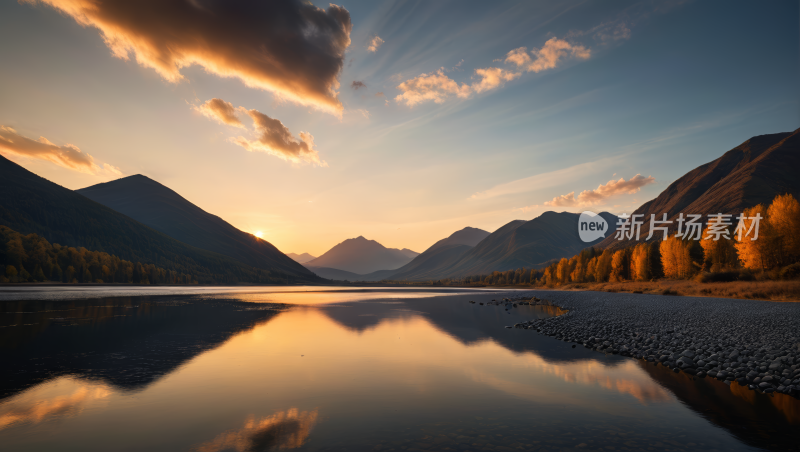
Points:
x=402 y=122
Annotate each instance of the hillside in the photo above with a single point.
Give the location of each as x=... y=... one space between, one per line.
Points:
x=362 y=256
x=164 y=210
x=752 y=173
x=32 y=204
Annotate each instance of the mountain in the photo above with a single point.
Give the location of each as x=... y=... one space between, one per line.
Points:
x=362 y=256
x=301 y=258
x=467 y=236
x=32 y=204
x=529 y=244
x=164 y=210
x=749 y=174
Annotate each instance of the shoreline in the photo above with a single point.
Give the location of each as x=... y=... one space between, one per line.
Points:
x=754 y=343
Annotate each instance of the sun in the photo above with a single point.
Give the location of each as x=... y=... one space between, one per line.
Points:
x=259 y=234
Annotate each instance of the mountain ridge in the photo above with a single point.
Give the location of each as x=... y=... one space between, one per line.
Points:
x=161 y=208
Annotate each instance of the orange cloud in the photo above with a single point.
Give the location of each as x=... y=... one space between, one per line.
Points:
x=374 y=43
x=435 y=86
x=548 y=57
x=67 y=156
x=290 y=48
x=438 y=87
x=220 y=111
x=492 y=78
x=602 y=193
x=275 y=139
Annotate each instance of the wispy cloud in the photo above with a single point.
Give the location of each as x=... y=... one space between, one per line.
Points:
x=602 y=193
x=290 y=48
x=356 y=85
x=545 y=180
x=548 y=57
x=438 y=87
x=67 y=156
x=374 y=44
x=221 y=111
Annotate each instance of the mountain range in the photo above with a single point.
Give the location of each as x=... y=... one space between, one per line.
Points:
x=141 y=220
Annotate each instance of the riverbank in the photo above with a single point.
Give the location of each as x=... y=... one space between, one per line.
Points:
x=754 y=343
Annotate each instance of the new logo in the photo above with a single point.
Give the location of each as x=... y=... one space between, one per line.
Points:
x=591 y=226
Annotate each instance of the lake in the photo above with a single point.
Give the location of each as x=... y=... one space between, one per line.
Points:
x=316 y=368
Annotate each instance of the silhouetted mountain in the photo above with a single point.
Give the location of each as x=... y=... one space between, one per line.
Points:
x=164 y=210
x=749 y=174
x=301 y=258
x=32 y=204
x=362 y=256
x=517 y=244
x=467 y=236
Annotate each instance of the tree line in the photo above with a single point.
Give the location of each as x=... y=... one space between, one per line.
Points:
x=775 y=254
x=31 y=258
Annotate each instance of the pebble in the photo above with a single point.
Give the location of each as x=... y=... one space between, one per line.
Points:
x=755 y=343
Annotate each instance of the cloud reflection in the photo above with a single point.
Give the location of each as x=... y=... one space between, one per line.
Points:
x=27 y=408
x=283 y=430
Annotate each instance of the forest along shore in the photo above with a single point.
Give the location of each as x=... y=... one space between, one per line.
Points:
x=755 y=343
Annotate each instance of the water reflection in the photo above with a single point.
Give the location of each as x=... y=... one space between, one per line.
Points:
x=215 y=374
x=283 y=430
x=54 y=402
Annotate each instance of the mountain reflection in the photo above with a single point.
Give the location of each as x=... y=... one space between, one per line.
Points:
x=283 y=430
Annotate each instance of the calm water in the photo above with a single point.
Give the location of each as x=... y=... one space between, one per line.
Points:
x=208 y=369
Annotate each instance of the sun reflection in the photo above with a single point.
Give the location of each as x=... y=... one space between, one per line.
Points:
x=283 y=430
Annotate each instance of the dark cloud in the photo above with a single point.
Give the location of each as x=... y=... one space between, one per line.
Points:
x=357 y=85
x=291 y=48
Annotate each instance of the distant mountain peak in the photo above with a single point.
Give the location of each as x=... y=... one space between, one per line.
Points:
x=361 y=256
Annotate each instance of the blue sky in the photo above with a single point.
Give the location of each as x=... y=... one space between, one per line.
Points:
x=661 y=88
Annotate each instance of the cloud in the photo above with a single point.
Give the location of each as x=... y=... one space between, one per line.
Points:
x=613 y=33
x=546 y=180
x=492 y=78
x=438 y=87
x=67 y=156
x=548 y=57
x=602 y=193
x=374 y=43
x=379 y=94
x=435 y=86
x=356 y=85
x=275 y=139
x=221 y=111
x=290 y=48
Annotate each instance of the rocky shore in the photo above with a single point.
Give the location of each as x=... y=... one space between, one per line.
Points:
x=755 y=343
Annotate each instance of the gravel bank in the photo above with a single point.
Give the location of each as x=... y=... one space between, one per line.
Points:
x=755 y=343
